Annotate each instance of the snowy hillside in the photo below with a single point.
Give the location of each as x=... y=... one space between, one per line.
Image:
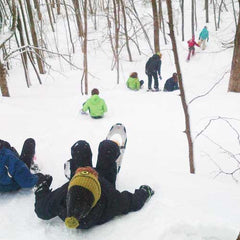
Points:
x=204 y=206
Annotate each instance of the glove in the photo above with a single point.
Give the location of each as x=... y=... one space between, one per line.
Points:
x=148 y=190
x=43 y=184
x=160 y=77
x=82 y=112
x=43 y=179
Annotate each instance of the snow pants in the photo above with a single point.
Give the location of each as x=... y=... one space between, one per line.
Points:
x=155 y=77
x=191 y=50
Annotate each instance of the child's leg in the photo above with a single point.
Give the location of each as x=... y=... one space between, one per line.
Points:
x=28 y=152
x=81 y=156
x=108 y=152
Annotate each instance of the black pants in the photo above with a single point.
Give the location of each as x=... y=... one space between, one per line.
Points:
x=108 y=152
x=155 y=77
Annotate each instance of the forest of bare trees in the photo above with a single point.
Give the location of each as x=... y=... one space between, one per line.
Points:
x=24 y=36
x=23 y=33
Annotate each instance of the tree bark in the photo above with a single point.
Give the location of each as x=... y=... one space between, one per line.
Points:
x=125 y=30
x=234 y=82
x=182 y=92
x=192 y=18
x=78 y=17
x=155 y=26
x=3 y=81
x=207 y=12
x=34 y=38
x=85 y=65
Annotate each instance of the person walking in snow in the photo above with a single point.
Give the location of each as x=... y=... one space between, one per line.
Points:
x=191 y=47
x=90 y=197
x=15 y=170
x=153 y=70
x=133 y=82
x=171 y=84
x=95 y=105
x=203 y=36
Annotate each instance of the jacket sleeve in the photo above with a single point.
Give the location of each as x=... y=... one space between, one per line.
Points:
x=126 y=202
x=50 y=204
x=159 y=67
x=137 y=84
x=104 y=106
x=85 y=106
x=20 y=173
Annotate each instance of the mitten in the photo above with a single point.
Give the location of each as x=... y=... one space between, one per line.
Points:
x=44 y=182
x=82 y=112
x=148 y=190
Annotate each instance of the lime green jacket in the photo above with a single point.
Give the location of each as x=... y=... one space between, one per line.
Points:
x=133 y=83
x=96 y=106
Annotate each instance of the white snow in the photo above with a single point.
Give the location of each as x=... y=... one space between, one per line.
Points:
x=203 y=206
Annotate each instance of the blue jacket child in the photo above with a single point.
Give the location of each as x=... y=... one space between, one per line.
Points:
x=14 y=172
x=171 y=84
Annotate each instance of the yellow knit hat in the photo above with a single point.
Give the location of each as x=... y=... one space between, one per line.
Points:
x=87 y=177
x=159 y=54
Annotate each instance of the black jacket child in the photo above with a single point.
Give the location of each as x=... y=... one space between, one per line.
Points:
x=110 y=203
x=153 y=65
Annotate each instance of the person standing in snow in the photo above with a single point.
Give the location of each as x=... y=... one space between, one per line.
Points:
x=171 y=84
x=133 y=82
x=95 y=105
x=203 y=36
x=90 y=197
x=15 y=170
x=191 y=47
x=153 y=70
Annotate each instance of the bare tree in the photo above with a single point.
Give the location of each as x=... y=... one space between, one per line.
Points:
x=182 y=92
x=4 y=38
x=155 y=26
x=125 y=29
x=85 y=64
x=234 y=82
x=34 y=37
x=207 y=12
x=182 y=12
x=161 y=20
x=192 y=16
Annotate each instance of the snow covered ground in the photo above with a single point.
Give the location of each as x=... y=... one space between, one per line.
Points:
x=204 y=206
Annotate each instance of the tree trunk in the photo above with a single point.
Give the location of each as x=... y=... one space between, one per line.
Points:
x=116 y=11
x=234 y=82
x=85 y=65
x=3 y=81
x=155 y=26
x=207 y=12
x=34 y=38
x=125 y=30
x=36 y=5
x=161 y=20
x=183 y=99
x=182 y=11
x=192 y=18
x=238 y=238
x=78 y=17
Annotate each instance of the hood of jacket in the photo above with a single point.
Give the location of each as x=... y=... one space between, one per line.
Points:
x=95 y=99
x=156 y=56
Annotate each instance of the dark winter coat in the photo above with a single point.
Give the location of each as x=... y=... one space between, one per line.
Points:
x=170 y=85
x=153 y=65
x=111 y=203
x=14 y=174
